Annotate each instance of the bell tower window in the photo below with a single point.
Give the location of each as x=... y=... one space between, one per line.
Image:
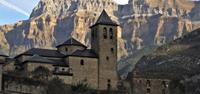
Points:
x=105 y=33
x=111 y=33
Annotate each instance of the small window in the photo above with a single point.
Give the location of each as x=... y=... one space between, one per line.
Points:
x=148 y=83
x=140 y=81
x=109 y=80
x=63 y=69
x=164 y=84
x=108 y=86
x=148 y=91
x=105 y=33
x=82 y=62
x=111 y=33
x=107 y=58
x=112 y=50
x=66 y=49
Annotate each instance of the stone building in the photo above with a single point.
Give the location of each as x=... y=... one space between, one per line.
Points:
x=2 y=61
x=150 y=84
x=75 y=63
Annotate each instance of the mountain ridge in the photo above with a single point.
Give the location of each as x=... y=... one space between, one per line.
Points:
x=53 y=21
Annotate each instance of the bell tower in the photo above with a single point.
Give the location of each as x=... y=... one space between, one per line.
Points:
x=104 y=44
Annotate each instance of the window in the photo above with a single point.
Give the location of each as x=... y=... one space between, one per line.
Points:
x=140 y=81
x=109 y=85
x=148 y=83
x=109 y=81
x=66 y=49
x=63 y=69
x=112 y=50
x=105 y=33
x=148 y=91
x=82 y=62
x=164 y=84
x=107 y=58
x=111 y=33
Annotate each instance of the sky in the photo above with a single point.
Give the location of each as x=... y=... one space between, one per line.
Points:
x=12 y=11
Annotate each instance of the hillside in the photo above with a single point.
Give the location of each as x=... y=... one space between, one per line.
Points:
x=180 y=58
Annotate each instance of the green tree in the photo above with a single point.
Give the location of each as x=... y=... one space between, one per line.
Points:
x=82 y=88
x=57 y=86
x=41 y=73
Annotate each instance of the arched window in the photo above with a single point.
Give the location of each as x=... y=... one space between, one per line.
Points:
x=111 y=33
x=105 y=33
x=82 y=62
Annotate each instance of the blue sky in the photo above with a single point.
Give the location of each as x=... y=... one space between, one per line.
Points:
x=12 y=11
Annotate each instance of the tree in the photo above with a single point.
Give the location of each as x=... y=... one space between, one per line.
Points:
x=82 y=88
x=57 y=86
x=41 y=73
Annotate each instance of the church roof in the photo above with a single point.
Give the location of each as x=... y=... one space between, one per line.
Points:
x=85 y=53
x=2 y=55
x=104 y=19
x=42 y=52
x=72 y=41
x=39 y=59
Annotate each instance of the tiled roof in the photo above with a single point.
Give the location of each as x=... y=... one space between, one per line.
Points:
x=85 y=53
x=72 y=41
x=40 y=59
x=1 y=55
x=105 y=20
x=42 y=52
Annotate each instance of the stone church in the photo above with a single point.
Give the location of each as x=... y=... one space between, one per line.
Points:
x=75 y=63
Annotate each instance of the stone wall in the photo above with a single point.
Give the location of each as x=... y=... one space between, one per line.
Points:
x=151 y=86
x=69 y=49
x=85 y=71
x=15 y=85
x=31 y=66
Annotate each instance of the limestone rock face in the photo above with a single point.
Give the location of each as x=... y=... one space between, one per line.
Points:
x=143 y=23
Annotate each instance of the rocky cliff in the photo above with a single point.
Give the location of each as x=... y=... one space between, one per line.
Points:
x=143 y=23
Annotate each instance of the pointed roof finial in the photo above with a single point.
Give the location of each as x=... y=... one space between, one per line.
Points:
x=104 y=19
